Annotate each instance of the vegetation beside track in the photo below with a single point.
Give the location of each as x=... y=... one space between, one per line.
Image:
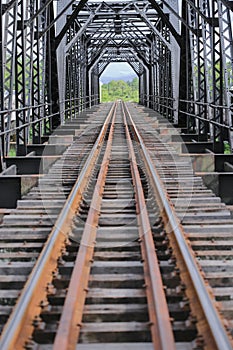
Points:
x=120 y=89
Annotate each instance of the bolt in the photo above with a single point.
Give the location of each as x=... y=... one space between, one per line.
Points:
x=37 y=323
x=44 y=304
x=199 y=342
x=51 y=290
x=61 y=261
x=30 y=344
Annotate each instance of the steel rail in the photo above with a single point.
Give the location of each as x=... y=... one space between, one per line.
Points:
x=214 y=332
x=160 y=322
x=19 y=327
x=70 y=322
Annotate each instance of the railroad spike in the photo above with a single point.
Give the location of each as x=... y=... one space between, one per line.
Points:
x=30 y=344
x=44 y=304
x=51 y=290
x=38 y=323
x=61 y=261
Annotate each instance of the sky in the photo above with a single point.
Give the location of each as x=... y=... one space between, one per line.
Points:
x=117 y=71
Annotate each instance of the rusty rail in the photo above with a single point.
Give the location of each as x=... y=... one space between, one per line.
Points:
x=70 y=322
x=161 y=329
x=20 y=324
x=203 y=307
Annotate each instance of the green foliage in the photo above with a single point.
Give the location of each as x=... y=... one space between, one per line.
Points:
x=227 y=148
x=119 y=89
x=12 y=152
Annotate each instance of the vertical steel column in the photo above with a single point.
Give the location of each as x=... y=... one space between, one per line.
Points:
x=217 y=76
x=141 y=89
x=68 y=88
x=70 y=61
x=85 y=74
x=213 y=70
x=10 y=22
x=52 y=71
x=225 y=30
x=193 y=124
x=2 y=139
x=198 y=77
x=174 y=64
x=153 y=71
x=36 y=74
x=151 y=76
x=76 y=79
x=186 y=92
x=20 y=82
x=157 y=77
x=68 y=97
x=29 y=39
x=60 y=52
x=44 y=82
x=161 y=67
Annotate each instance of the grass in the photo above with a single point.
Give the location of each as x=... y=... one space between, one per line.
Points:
x=12 y=152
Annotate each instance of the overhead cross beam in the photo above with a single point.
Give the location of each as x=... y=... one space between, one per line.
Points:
x=166 y=21
x=69 y=22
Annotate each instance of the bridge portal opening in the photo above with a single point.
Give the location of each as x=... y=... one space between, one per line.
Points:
x=119 y=81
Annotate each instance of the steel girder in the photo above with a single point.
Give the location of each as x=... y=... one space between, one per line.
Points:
x=136 y=22
x=157 y=32
x=2 y=117
x=38 y=89
x=50 y=64
x=26 y=87
x=209 y=93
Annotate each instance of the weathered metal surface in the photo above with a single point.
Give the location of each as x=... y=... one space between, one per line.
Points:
x=116 y=301
x=69 y=326
x=23 y=313
x=51 y=74
x=161 y=330
x=189 y=266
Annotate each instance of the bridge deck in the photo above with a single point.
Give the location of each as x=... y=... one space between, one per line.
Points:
x=120 y=236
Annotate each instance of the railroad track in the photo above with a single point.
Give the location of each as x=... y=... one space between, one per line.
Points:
x=118 y=269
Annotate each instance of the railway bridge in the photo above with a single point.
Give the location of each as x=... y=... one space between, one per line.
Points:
x=116 y=219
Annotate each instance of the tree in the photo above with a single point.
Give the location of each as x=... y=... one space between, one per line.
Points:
x=119 y=89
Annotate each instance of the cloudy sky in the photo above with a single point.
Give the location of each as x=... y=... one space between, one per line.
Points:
x=117 y=71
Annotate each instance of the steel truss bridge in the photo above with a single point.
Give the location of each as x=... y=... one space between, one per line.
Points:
x=116 y=219
x=53 y=53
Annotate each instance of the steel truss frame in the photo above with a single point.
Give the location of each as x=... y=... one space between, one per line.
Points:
x=134 y=25
x=209 y=92
x=27 y=100
x=53 y=54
